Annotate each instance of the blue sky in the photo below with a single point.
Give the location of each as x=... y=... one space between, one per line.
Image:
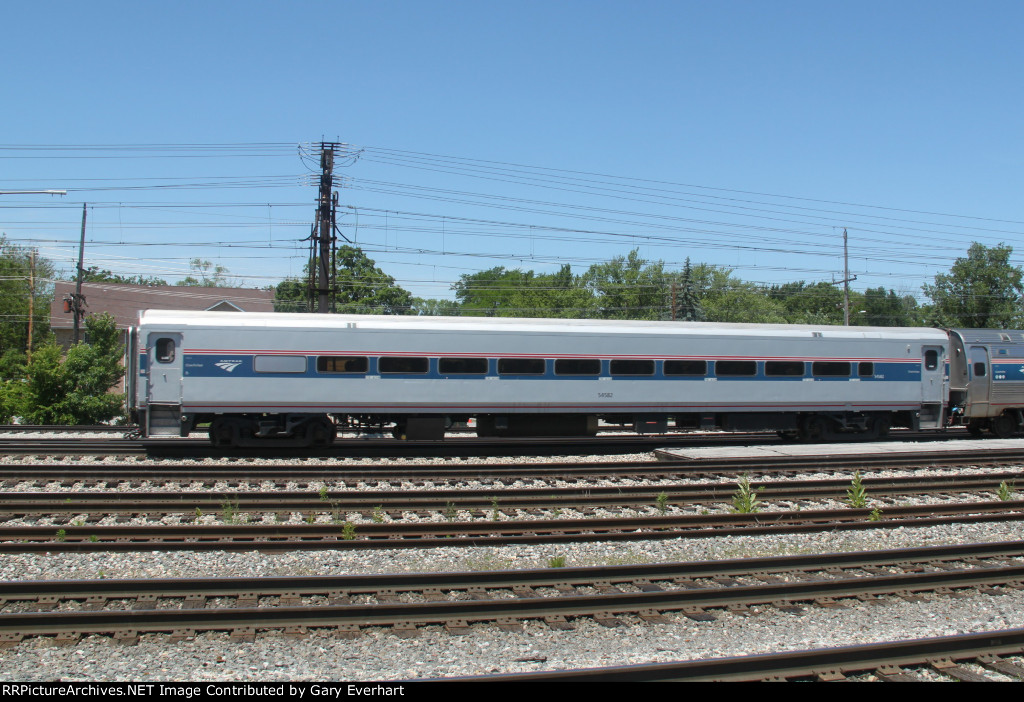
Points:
x=740 y=133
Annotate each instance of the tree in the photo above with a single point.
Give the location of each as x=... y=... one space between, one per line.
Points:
x=981 y=291
x=75 y=388
x=629 y=288
x=94 y=274
x=16 y=288
x=432 y=307
x=360 y=288
x=726 y=298
x=500 y=292
x=816 y=303
x=687 y=305
x=886 y=309
x=207 y=275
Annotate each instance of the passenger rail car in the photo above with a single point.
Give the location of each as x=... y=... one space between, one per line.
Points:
x=294 y=379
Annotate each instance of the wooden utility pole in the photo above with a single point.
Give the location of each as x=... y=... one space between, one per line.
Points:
x=323 y=234
x=31 y=300
x=78 y=302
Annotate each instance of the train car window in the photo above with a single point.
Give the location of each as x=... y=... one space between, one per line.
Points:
x=631 y=366
x=520 y=366
x=686 y=368
x=831 y=369
x=739 y=368
x=165 y=350
x=342 y=364
x=979 y=369
x=403 y=364
x=790 y=368
x=279 y=364
x=577 y=366
x=931 y=359
x=462 y=366
x=866 y=369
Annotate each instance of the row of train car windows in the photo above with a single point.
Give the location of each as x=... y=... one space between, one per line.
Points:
x=409 y=365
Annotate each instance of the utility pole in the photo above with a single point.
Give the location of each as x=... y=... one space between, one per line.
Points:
x=77 y=301
x=847 y=279
x=322 y=244
x=31 y=300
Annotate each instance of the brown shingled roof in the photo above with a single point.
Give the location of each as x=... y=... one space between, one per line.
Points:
x=124 y=302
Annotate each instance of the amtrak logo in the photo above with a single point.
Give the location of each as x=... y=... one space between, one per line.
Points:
x=228 y=365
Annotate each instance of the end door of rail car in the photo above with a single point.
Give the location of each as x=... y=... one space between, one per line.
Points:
x=933 y=387
x=979 y=382
x=163 y=384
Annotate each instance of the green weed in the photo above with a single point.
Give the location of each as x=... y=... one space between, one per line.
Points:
x=857 y=494
x=745 y=499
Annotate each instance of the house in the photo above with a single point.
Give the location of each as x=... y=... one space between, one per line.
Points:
x=124 y=302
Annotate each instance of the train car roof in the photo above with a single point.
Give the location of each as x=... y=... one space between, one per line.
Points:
x=184 y=319
x=990 y=336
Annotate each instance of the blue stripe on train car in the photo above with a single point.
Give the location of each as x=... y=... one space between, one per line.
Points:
x=242 y=366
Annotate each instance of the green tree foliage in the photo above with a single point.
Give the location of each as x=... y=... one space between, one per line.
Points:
x=207 y=275
x=981 y=290
x=15 y=291
x=499 y=292
x=726 y=298
x=629 y=287
x=361 y=288
x=886 y=309
x=72 y=388
x=431 y=307
x=93 y=274
x=687 y=304
x=803 y=303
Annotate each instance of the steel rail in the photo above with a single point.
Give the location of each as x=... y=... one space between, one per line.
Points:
x=937 y=556
x=766 y=465
x=282 y=537
x=884 y=659
x=24 y=504
x=648 y=603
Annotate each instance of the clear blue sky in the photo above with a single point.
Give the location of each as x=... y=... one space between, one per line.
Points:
x=740 y=133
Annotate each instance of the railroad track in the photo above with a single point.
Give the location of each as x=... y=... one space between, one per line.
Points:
x=893 y=661
x=125 y=609
x=240 y=469
x=481 y=501
x=435 y=534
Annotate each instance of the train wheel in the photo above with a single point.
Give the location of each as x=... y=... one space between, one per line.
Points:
x=322 y=432
x=223 y=432
x=814 y=428
x=974 y=429
x=1003 y=426
x=879 y=428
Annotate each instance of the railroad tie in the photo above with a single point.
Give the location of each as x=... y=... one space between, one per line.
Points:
x=243 y=634
x=126 y=638
x=347 y=631
x=697 y=614
x=1001 y=665
x=558 y=622
x=458 y=627
x=607 y=619
x=891 y=673
x=406 y=630
x=948 y=667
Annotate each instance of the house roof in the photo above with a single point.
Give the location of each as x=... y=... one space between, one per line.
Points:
x=124 y=302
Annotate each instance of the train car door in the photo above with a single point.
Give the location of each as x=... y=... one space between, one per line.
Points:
x=933 y=386
x=164 y=379
x=165 y=368
x=979 y=382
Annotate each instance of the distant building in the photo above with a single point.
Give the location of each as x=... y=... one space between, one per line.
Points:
x=124 y=302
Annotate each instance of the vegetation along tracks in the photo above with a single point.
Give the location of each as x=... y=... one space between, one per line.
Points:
x=94 y=506
x=347 y=535
x=347 y=604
